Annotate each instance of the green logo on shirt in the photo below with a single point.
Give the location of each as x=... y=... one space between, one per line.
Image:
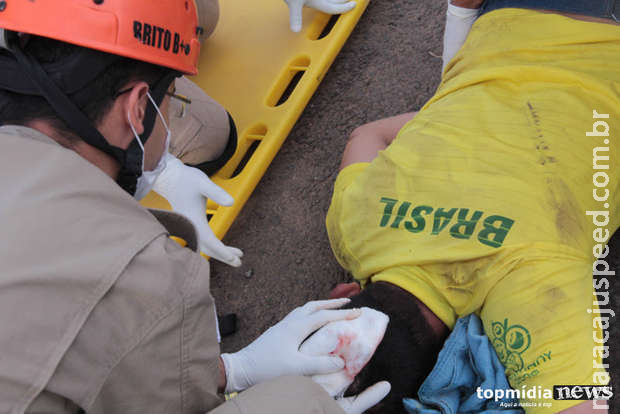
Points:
x=509 y=343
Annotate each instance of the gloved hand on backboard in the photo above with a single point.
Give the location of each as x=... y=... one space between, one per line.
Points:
x=187 y=190
x=326 y=6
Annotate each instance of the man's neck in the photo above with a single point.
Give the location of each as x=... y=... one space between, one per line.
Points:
x=98 y=158
x=401 y=300
x=436 y=324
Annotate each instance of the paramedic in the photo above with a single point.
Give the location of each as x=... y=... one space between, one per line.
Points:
x=100 y=311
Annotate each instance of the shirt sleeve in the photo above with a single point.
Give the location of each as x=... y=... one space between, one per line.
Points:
x=333 y=221
x=299 y=395
x=150 y=345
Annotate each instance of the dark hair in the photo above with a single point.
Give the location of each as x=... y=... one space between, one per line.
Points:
x=95 y=99
x=408 y=351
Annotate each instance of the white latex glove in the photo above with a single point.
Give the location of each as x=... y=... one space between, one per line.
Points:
x=326 y=6
x=187 y=189
x=276 y=352
x=371 y=396
x=354 y=341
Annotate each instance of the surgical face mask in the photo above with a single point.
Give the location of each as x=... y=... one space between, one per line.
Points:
x=147 y=179
x=355 y=341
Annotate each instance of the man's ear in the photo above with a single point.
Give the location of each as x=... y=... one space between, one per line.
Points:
x=134 y=108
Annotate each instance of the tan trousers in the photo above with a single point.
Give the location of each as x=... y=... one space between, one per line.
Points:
x=199 y=130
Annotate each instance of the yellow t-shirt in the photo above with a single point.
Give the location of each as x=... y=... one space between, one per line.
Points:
x=479 y=204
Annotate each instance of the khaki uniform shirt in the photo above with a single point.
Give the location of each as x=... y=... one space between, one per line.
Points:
x=99 y=310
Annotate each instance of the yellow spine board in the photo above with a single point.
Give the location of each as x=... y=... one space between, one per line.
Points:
x=247 y=65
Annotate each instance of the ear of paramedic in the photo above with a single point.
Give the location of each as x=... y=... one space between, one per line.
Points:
x=116 y=103
x=125 y=116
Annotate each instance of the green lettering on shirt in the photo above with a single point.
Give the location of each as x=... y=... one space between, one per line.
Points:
x=493 y=233
x=495 y=230
x=440 y=213
x=467 y=226
x=402 y=211
x=387 y=211
x=416 y=215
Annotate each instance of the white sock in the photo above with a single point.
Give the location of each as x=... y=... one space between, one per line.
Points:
x=458 y=23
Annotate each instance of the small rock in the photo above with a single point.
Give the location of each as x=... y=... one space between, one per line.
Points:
x=249 y=274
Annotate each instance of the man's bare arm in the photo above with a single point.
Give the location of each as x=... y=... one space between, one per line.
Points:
x=367 y=140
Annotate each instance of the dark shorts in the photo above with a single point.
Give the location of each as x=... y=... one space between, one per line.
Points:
x=609 y=9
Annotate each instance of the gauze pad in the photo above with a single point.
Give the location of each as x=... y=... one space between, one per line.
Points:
x=355 y=341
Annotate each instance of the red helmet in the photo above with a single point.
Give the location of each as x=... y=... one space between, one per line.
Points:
x=163 y=32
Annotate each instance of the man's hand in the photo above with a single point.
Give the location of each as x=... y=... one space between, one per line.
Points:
x=326 y=6
x=187 y=189
x=367 y=399
x=276 y=352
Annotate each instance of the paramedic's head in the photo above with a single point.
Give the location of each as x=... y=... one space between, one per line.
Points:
x=99 y=84
x=409 y=348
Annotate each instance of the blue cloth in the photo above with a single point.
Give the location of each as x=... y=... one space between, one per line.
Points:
x=466 y=362
x=597 y=8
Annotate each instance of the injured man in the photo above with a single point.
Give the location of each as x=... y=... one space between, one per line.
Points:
x=496 y=199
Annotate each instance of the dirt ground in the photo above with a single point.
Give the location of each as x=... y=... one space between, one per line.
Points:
x=389 y=65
